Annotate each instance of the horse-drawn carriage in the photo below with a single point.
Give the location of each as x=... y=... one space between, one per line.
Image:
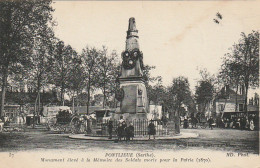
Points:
x=65 y=122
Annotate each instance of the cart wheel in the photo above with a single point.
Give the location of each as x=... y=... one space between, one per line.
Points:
x=75 y=125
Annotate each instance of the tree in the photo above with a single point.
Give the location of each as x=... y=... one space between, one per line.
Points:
x=107 y=78
x=204 y=94
x=157 y=92
x=116 y=74
x=41 y=66
x=62 y=63
x=153 y=85
x=230 y=74
x=76 y=80
x=90 y=62
x=206 y=89
x=241 y=66
x=20 y=21
x=147 y=75
x=178 y=95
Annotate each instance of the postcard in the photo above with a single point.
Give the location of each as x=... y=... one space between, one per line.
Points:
x=129 y=84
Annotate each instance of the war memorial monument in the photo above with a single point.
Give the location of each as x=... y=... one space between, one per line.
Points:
x=132 y=94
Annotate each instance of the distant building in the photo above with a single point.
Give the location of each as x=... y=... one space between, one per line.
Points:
x=155 y=112
x=12 y=113
x=227 y=101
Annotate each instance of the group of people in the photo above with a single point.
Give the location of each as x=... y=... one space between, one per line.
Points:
x=242 y=122
x=194 y=121
x=126 y=132
x=238 y=122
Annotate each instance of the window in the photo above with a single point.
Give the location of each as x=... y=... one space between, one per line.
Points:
x=221 y=107
x=241 y=107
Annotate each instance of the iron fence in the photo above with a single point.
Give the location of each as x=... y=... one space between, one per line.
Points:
x=100 y=128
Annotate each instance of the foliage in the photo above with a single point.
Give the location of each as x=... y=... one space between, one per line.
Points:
x=90 y=60
x=107 y=74
x=157 y=92
x=240 y=67
x=75 y=83
x=21 y=22
x=62 y=63
x=204 y=93
x=154 y=87
x=178 y=95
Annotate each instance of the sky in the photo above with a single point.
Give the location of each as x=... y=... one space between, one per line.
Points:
x=177 y=37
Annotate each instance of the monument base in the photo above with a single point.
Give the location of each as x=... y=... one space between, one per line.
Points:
x=135 y=96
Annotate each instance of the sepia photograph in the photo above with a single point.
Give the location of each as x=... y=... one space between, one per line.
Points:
x=129 y=83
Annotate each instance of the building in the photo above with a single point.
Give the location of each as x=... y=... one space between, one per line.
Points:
x=11 y=111
x=13 y=114
x=228 y=101
x=155 y=112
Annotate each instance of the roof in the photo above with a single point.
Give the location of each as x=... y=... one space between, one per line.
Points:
x=225 y=93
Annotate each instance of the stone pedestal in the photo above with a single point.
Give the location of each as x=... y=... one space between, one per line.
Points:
x=134 y=104
x=135 y=96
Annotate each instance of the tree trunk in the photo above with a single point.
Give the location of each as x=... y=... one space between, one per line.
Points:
x=236 y=99
x=177 y=120
x=34 y=112
x=104 y=93
x=204 y=107
x=62 y=83
x=88 y=122
x=246 y=93
x=78 y=93
x=39 y=104
x=4 y=83
x=62 y=96
x=88 y=101
x=38 y=95
x=42 y=103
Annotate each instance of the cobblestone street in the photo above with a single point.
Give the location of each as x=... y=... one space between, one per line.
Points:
x=216 y=140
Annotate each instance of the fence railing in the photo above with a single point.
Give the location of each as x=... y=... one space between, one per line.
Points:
x=100 y=128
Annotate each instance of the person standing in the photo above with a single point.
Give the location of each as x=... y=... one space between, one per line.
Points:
x=119 y=131
x=185 y=123
x=110 y=129
x=151 y=129
x=124 y=126
x=194 y=121
x=164 y=120
x=132 y=130
x=211 y=121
